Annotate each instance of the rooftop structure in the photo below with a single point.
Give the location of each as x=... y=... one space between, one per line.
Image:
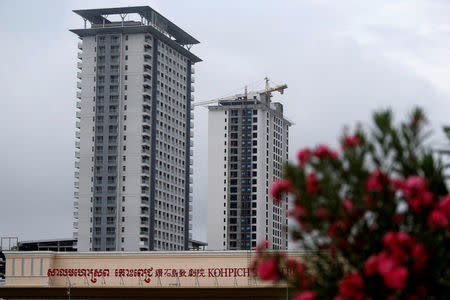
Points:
x=149 y=21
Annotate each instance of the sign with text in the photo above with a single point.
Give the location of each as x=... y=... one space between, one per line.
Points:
x=147 y=273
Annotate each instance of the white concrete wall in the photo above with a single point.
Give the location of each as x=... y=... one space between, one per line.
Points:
x=86 y=143
x=216 y=204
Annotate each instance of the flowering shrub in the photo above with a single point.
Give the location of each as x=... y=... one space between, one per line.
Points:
x=376 y=216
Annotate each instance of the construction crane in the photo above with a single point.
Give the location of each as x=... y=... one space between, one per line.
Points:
x=268 y=91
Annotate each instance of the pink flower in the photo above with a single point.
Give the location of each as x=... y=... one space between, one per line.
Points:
x=348 y=205
x=303 y=156
x=306 y=295
x=414 y=185
x=371 y=265
x=437 y=219
x=420 y=257
x=322 y=151
x=333 y=229
x=301 y=269
x=279 y=187
x=414 y=203
x=352 y=286
x=312 y=186
x=444 y=205
x=375 y=181
x=333 y=155
x=427 y=198
x=389 y=239
x=321 y=213
x=300 y=213
x=351 y=141
x=385 y=263
x=267 y=270
x=396 y=278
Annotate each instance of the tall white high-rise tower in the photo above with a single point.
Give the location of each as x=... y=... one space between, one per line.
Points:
x=248 y=140
x=135 y=120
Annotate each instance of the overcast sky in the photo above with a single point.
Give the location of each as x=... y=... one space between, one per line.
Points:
x=340 y=59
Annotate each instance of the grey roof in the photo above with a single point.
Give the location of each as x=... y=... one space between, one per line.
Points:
x=48 y=241
x=95 y=16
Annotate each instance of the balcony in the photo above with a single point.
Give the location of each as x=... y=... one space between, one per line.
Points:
x=77 y=134
x=148 y=70
x=147 y=79
x=79 y=84
x=79 y=75
x=147 y=90
x=78 y=104
x=75 y=225
x=192 y=88
x=80 y=45
x=78 y=115
x=146 y=139
x=191 y=134
x=80 y=55
x=192 y=79
x=146 y=110
x=75 y=215
x=77 y=144
x=76 y=194
x=143 y=231
x=147 y=59
x=79 y=65
x=76 y=174
x=78 y=94
x=192 y=97
x=146 y=130
x=75 y=204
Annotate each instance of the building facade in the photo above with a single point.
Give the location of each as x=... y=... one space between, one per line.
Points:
x=138 y=275
x=134 y=129
x=248 y=141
